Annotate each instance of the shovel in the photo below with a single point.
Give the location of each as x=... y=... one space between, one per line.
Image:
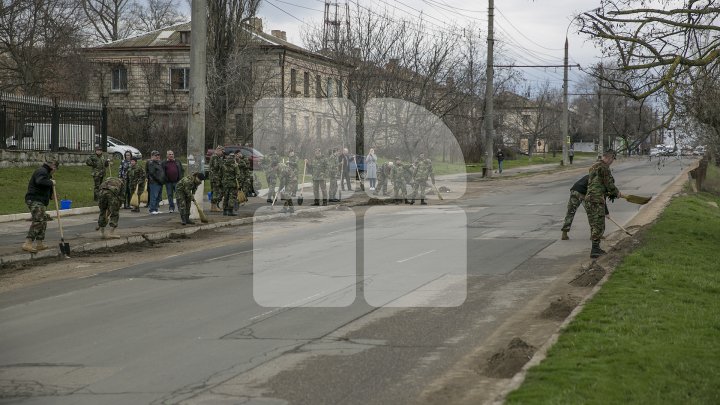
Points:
x=64 y=246
x=300 y=198
x=272 y=206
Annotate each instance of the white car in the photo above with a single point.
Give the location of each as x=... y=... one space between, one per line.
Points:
x=117 y=148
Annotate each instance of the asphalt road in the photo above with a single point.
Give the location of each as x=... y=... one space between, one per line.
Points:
x=292 y=316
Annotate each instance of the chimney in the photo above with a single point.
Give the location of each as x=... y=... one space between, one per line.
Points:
x=279 y=34
x=256 y=23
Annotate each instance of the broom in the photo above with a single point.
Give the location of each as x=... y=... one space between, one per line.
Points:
x=201 y=213
x=636 y=199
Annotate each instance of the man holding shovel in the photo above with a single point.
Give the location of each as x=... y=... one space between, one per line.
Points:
x=37 y=198
x=600 y=185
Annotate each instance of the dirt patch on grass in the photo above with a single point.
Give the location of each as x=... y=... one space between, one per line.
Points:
x=589 y=277
x=507 y=362
x=561 y=307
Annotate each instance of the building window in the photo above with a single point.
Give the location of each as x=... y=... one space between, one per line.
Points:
x=119 y=78
x=293 y=82
x=306 y=84
x=180 y=78
x=339 y=88
x=244 y=127
x=318 y=86
x=318 y=127
x=185 y=37
x=329 y=87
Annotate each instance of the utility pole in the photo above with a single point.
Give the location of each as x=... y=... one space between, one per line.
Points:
x=601 y=116
x=489 y=114
x=198 y=92
x=565 y=106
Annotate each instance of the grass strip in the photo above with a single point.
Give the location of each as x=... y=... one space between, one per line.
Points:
x=651 y=334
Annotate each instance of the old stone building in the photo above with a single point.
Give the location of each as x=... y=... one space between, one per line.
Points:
x=147 y=76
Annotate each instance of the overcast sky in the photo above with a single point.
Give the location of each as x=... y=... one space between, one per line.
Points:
x=532 y=31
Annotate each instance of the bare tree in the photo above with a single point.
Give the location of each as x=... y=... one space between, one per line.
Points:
x=151 y=15
x=660 y=49
x=37 y=40
x=109 y=19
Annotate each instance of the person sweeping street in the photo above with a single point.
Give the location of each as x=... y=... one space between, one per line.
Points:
x=601 y=185
x=112 y=195
x=37 y=198
x=185 y=192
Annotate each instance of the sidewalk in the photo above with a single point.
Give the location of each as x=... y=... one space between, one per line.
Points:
x=79 y=223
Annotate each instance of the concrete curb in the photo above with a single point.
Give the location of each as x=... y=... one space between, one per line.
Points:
x=155 y=236
x=644 y=217
x=63 y=213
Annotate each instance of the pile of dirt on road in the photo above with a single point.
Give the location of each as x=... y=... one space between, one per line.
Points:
x=507 y=362
x=561 y=307
x=589 y=277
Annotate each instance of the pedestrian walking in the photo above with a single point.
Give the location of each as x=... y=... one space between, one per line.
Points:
x=123 y=173
x=136 y=178
x=601 y=185
x=500 y=158
x=318 y=168
x=371 y=168
x=156 y=180
x=98 y=163
x=571 y=154
x=37 y=198
x=112 y=195
x=173 y=170
x=216 y=164
x=185 y=193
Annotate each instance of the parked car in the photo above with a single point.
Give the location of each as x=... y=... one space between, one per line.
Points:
x=357 y=166
x=249 y=152
x=117 y=148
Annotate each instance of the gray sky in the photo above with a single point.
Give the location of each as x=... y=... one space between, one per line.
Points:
x=533 y=32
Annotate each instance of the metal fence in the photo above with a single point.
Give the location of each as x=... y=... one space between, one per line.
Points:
x=35 y=123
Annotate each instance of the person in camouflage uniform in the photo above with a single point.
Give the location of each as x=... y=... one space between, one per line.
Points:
x=399 y=177
x=185 y=192
x=577 y=195
x=136 y=176
x=230 y=184
x=37 y=198
x=98 y=163
x=292 y=163
x=423 y=171
x=216 y=164
x=112 y=194
x=600 y=186
x=245 y=173
x=318 y=168
x=270 y=163
x=383 y=175
x=334 y=170
x=285 y=177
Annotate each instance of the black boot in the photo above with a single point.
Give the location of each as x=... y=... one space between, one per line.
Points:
x=422 y=201
x=412 y=201
x=188 y=220
x=317 y=202
x=596 y=252
x=406 y=201
x=231 y=213
x=397 y=201
x=324 y=202
x=182 y=220
x=225 y=212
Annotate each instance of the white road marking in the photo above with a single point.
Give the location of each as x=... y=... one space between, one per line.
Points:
x=230 y=255
x=416 y=256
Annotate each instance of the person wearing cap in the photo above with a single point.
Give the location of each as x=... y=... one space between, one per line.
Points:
x=185 y=192
x=37 y=198
x=156 y=179
x=601 y=185
x=216 y=164
x=98 y=163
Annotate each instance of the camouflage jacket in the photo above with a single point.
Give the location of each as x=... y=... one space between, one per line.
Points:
x=384 y=171
x=399 y=173
x=115 y=186
x=318 y=168
x=136 y=175
x=187 y=185
x=230 y=173
x=600 y=183
x=267 y=164
x=216 y=165
x=423 y=170
x=293 y=164
x=98 y=164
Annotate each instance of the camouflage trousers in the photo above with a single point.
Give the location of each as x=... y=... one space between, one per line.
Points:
x=319 y=185
x=184 y=200
x=419 y=187
x=272 y=181
x=97 y=181
x=400 y=189
x=333 y=188
x=39 y=220
x=286 y=195
x=596 y=218
x=217 y=190
x=381 y=185
x=109 y=205
x=229 y=196
x=573 y=203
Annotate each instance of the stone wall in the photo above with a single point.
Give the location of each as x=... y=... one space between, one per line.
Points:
x=23 y=158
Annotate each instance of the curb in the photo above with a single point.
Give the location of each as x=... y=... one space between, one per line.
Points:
x=639 y=219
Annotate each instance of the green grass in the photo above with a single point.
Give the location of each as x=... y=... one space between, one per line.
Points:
x=651 y=334
x=73 y=183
